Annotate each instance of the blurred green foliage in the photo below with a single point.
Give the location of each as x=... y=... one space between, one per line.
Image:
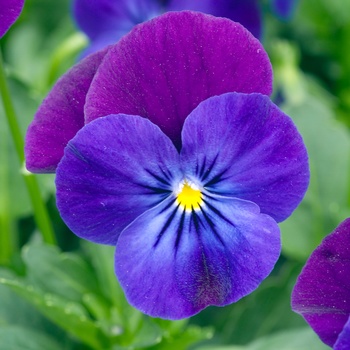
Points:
x=71 y=300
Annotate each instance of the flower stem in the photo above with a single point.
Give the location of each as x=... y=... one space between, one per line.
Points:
x=40 y=212
x=6 y=234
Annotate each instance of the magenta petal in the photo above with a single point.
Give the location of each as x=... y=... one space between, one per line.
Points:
x=322 y=292
x=9 y=12
x=172 y=263
x=165 y=67
x=60 y=116
x=246 y=147
x=113 y=170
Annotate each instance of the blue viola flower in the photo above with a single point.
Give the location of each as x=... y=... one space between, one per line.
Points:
x=184 y=164
x=9 y=12
x=106 y=21
x=191 y=228
x=322 y=292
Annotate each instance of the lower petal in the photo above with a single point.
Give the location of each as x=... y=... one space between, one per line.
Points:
x=173 y=263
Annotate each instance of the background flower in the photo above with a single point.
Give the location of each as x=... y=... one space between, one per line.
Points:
x=283 y=8
x=191 y=229
x=157 y=71
x=10 y=11
x=322 y=292
x=106 y=21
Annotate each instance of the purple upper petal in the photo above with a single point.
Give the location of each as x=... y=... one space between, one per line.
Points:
x=9 y=12
x=247 y=148
x=322 y=292
x=172 y=263
x=60 y=116
x=157 y=71
x=165 y=67
x=113 y=170
x=246 y=12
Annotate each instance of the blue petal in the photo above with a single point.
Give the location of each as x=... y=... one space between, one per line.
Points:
x=343 y=341
x=113 y=170
x=172 y=263
x=242 y=145
x=246 y=12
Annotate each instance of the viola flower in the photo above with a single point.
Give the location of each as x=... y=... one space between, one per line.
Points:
x=194 y=227
x=106 y=21
x=161 y=70
x=322 y=292
x=10 y=11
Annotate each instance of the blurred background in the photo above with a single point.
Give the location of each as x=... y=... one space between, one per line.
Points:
x=65 y=296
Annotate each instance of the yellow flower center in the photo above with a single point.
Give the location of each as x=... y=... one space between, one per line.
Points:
x=189 y=196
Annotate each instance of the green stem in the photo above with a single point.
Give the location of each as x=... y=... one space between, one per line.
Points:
x=6 y=234
x=40 y=212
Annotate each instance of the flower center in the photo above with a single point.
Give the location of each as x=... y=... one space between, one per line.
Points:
x=189 y=196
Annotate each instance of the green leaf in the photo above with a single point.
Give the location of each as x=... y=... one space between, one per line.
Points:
x=102 y=259
x=327 y=200
x=70 y=316
x=297 y=339
x=64 y=274
x=183 y=340
x=20 y=338
x=15 y=311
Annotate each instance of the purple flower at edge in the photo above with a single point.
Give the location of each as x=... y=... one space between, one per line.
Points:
x=322 y=292
x=9 y=12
